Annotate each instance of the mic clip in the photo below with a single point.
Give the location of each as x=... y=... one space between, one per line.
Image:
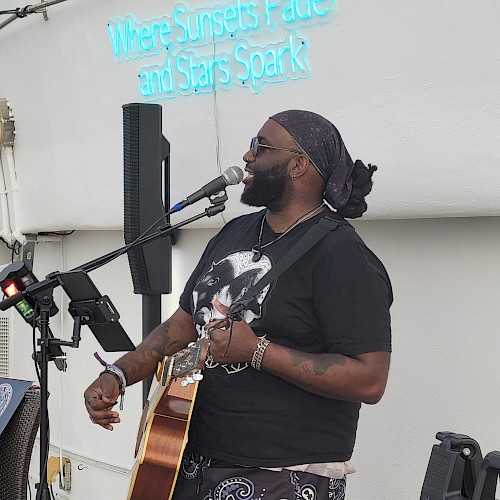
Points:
x=218 y=198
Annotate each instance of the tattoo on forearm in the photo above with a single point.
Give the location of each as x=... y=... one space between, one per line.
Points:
x=318 y=364
x=152 y=350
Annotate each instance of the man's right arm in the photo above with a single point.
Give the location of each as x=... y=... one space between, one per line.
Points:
x=166 y=339
x=171 y=336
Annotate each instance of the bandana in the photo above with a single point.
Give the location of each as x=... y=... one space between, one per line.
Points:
x=321 y=141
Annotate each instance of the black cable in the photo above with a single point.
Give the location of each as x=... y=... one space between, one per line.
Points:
x=16 y=249
x=34 y=325
x=56 y=233
x=22 y=12
x=9 y=246
x=19 y=12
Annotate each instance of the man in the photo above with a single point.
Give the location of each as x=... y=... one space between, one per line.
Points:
x=277 y=411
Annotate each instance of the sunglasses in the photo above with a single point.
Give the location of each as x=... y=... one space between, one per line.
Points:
x=255 y=145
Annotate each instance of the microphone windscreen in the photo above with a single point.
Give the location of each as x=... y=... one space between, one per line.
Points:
x=233 y=175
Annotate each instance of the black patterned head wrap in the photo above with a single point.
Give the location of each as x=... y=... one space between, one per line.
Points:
x=321 y=141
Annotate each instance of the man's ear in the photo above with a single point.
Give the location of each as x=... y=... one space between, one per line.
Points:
x=299 y=166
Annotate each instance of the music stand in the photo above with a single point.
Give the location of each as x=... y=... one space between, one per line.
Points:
x=89 y=307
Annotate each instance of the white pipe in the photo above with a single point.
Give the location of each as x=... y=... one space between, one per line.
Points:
x=6 y=231
x=9 y=155
x=61 y=373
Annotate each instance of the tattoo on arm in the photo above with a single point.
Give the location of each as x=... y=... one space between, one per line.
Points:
x=143 y=360
x=318 y=364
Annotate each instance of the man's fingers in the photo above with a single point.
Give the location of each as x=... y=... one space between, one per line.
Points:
x=220 y=307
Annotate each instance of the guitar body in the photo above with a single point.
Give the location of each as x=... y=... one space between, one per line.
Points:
x=163 y=430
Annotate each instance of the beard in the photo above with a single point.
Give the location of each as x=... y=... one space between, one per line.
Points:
x=269 y=187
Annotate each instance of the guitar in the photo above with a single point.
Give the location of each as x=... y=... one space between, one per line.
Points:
x=164 y=424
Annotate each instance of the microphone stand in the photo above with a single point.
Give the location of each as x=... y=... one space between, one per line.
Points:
x=42 y=293
x=162 y=231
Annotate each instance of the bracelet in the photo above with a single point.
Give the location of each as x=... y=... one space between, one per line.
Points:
x=117 y=373
x=259 y=354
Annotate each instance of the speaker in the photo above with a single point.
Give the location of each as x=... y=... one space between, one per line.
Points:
x=146 y=155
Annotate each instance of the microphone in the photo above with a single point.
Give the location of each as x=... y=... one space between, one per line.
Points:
x=231 y=176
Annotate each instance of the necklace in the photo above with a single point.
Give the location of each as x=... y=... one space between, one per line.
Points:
x=257 y=249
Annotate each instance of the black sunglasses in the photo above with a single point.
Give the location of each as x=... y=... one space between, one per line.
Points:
x=255 y=145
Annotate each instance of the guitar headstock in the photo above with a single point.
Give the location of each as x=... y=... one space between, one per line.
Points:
x=186 y=361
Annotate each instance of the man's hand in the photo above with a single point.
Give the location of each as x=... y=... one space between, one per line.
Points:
x=358 y=378
x=100 y=397
x=243 y=340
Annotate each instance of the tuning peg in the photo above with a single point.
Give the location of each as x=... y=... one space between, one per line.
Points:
x=197 y=376
x=184 y=382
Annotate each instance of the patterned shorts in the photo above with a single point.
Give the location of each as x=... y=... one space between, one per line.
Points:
x=203 y=479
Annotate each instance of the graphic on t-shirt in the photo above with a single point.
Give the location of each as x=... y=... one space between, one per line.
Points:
x=227 y=281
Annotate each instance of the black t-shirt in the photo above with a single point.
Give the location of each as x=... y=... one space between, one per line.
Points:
x=334 y=299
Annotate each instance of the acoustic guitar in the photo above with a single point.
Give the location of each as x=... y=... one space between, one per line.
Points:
x=164 y=425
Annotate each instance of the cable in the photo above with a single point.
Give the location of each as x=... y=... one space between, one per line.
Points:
x=216 y=120
x=56 y=233
x=16 y=250
x=8 y=245
x=29 y=9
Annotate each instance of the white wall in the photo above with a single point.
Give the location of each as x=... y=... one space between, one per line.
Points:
x=444 y=373
x=413 y=87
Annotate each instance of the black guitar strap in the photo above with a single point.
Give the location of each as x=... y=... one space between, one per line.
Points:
x=308 y=240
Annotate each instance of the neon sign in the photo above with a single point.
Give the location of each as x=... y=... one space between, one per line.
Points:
x=216 y=48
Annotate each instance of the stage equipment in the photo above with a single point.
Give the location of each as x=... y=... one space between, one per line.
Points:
x=146 y=155
x=87 y=306
x=146 y=174
x=230 y=177
x=34 y=301
x=457 y=471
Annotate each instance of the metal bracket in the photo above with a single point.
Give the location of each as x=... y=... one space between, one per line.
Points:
x=28 y=253
x=44 y=12
x=7 y=127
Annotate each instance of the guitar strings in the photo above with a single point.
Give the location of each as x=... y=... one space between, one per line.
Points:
x=223 y=324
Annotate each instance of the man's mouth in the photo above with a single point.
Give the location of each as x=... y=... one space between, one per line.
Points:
x=249 y=176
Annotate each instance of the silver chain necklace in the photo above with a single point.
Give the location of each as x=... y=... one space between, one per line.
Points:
x=257 y=249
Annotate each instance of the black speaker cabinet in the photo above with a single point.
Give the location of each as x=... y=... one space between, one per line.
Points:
x=146 y=154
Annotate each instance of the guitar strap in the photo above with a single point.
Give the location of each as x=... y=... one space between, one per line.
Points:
x=317 y=232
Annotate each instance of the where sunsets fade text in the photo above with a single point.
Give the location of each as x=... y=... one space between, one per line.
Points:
x=182 y=36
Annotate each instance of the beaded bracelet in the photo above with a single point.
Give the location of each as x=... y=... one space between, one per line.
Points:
x=259 y=354
x=117 y=373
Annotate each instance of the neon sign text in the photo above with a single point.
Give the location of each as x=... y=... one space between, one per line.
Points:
x=248 y=66
x=228 y=28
